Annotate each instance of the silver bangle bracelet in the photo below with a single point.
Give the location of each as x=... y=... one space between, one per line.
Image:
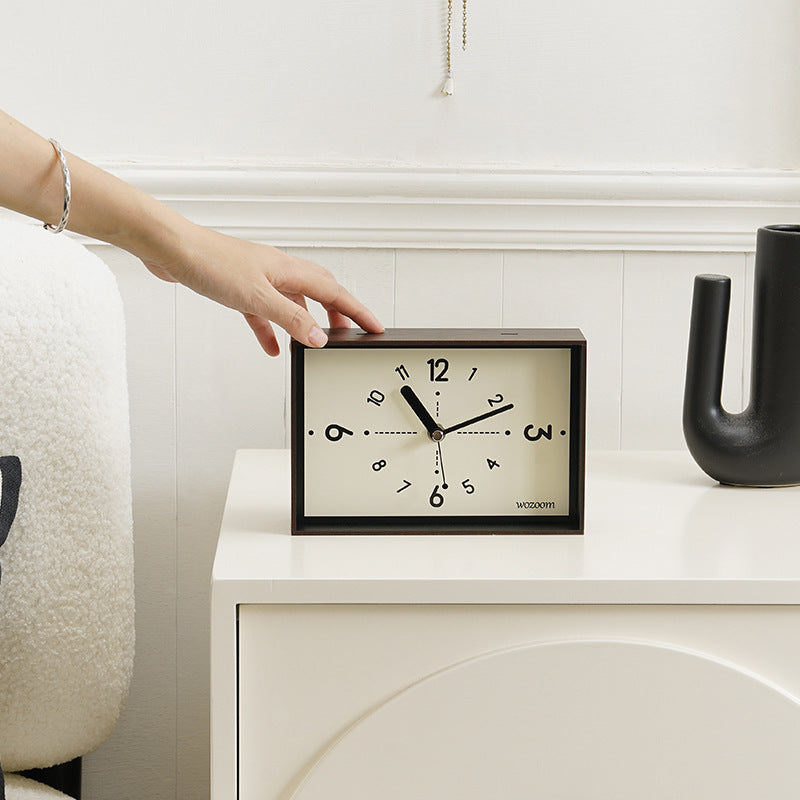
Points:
x=67 y=190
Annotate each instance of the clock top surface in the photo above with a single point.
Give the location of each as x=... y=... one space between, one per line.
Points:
x=399 y=337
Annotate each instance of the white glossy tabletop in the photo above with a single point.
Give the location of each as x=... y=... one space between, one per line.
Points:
x=657 y=531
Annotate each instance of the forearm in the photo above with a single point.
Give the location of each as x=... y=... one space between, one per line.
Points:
x=102 y=207
x=30 y=178
x=262 y=282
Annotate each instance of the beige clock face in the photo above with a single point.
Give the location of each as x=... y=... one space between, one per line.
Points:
x=434 y=432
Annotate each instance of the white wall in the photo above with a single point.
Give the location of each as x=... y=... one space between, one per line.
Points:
x=569 y=84
x=594 y=158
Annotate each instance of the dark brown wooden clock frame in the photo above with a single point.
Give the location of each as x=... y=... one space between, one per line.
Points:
x=484 y=338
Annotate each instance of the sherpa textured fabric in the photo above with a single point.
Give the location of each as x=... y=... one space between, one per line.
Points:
x=19 y=788
x=66 y=597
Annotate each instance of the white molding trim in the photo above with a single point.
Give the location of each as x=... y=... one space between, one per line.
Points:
x=477 y=208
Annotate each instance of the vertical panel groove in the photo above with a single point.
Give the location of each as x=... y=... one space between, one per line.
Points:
x=621 y=352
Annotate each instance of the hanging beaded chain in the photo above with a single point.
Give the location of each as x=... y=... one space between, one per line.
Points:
x=447 y=88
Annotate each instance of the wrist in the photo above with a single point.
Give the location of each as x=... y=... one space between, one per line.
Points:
x=104 y=207
x=153 y=232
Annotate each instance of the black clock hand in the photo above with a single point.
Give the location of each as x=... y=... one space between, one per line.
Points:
x=433 y=428
x=480 y=417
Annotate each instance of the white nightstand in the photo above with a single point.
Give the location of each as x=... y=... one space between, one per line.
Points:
x=657 y=656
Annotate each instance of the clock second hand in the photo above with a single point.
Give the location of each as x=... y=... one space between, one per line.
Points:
x=441 y=463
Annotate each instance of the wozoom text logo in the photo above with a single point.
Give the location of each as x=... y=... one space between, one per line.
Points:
x=537 y=505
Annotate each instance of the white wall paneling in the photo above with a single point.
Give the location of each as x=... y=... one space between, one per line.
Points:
x=448 y=289
x=497 y=208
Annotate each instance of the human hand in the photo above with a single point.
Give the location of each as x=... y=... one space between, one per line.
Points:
x=265 y=284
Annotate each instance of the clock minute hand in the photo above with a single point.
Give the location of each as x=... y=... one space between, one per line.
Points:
x=433 y=428
x=480 y=417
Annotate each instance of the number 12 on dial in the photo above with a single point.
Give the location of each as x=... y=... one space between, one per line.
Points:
x=439 y=431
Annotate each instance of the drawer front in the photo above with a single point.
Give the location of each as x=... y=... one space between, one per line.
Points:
x=457 y=701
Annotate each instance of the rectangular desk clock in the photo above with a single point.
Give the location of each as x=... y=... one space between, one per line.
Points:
x=439 y=431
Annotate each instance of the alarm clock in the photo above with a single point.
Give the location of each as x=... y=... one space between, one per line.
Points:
x=444 y=431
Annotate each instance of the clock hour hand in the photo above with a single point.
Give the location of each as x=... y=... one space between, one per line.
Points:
x=480 y=417
x=433 y=428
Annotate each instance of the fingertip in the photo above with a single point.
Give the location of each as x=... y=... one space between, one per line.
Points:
x=317 y=337
x=374 y=325
x=369 y=322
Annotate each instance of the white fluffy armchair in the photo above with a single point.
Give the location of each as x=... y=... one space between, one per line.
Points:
x=66 y=594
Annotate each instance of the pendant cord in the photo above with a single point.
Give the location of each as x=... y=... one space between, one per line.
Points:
x=449 y=28
x=447 y=88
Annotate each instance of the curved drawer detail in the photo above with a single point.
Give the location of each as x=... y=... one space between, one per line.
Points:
x=610 y=719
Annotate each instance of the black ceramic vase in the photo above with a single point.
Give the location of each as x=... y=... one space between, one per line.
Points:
x=761 y=445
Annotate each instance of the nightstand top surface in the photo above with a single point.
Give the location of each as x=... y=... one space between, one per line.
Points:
x=657 y=531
